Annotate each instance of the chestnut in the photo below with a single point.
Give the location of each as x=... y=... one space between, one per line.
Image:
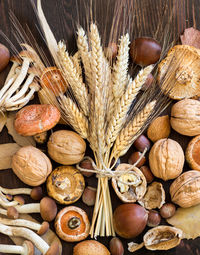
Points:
x=129 y=220
x=116 y=246
x=4 y=56
x=135 y=157
x=147 y=173
x=145 y=51
x=154 y=218
x=141 y=143
x=167 y=210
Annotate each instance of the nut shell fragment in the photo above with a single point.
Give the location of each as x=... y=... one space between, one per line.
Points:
x=192 y=153
x=185 y=190
x=154 y=197
x=65 y=184
x=162 y=238
x=130 y=193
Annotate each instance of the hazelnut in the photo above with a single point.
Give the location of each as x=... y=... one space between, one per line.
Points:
x=66 y=147
x=147 y=173
x=111 y=50
x=167 y=210
x=145 y=51
x=89 y=196
x=159 y=128
x=141 y=143
x=154 y=219
x=116 y=246
x=135 y=157
x=86 y=163
x=4 y=56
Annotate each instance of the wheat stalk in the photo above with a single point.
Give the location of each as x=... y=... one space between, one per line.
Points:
x=128 y=134
x=123 y=105
x=76 y=59
x=120 y=68
x=74 y=116
x=72 y=76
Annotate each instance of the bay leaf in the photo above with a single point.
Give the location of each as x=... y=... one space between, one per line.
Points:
x=188 y=220
x=19 y=139
x=7 y=150
x=49 y=236
x=3 y=119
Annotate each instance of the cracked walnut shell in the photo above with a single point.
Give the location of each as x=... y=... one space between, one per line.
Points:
x=185 y=118
x=129 y=193
x=162 y=238
x=185 y=190
x=192 y=153
x=166 y=159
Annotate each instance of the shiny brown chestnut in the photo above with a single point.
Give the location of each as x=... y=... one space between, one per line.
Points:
x=135 y=156
x=145 y=51
x=147 y=173
x=141 y=143
x=4 y=56
x=116 y=246
x=129 y=220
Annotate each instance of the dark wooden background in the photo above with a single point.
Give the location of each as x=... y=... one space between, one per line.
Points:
x=62 y=16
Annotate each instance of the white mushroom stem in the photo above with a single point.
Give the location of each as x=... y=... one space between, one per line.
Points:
x=18 y=191
x=7 y=86
x=3 y=211
x=5 y=203
x=28 y=208
x=16 y=249
x=21 y=223
x=27 y=234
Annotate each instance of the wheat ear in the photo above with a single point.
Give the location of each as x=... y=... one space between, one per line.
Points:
x=120 y=68
x=72 y=76
x=123 y=105
x=82 y=43
x=74 y=116
x=128 y=134
x=76 y=59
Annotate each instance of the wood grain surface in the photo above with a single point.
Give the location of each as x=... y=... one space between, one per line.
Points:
x=62 y=16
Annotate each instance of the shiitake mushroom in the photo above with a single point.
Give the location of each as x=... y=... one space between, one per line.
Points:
x=129 y=220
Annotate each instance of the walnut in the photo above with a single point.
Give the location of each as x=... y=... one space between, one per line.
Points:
x=166 y=159
x=185 y=190
x=159 y=128
x=31 y=165
x=185 y=118
x=66 y=147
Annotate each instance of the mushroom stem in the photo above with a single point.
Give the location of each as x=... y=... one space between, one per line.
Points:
x=3 y=211
x=27 y=234
x=35 y=193
x=11 y=73
x=40 y=228
x=5 y=203
x=28 y=208
x=5 y=248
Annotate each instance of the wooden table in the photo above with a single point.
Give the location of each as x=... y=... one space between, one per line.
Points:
x=58 y=10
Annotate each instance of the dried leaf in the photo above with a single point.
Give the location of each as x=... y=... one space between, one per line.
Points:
x=49 y=236
x=20 y=140
x=188 y=220
x=191 y=37
x=7 y=150
x=3 y=119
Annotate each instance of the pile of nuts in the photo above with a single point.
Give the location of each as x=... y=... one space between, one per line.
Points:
x=142 y=190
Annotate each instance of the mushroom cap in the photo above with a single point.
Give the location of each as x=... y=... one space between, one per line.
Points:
x=12 y=213
x=65 y=184
x=44 y=228
x=178 y=73
x=29 y=248
x=52 y=79
x=72 y=224
x=90 y=247
x=35 y=119
x=16 y=59
x=36 y=193
x=54 y=249
x=19 y=199
x=48 y=209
